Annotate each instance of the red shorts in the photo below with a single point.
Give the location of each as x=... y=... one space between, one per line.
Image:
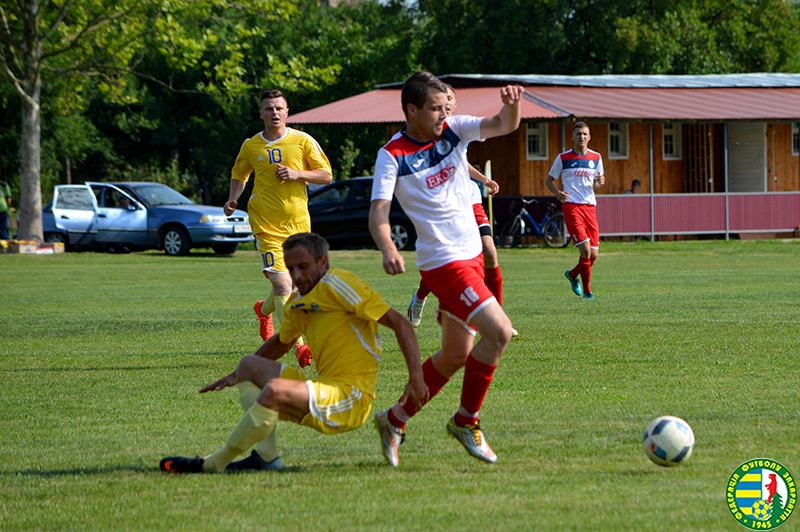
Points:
x=581 y=222
x=459 y=287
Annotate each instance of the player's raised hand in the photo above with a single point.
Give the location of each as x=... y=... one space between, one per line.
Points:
x=511 y=94
x=229 y=207
x=219 y=384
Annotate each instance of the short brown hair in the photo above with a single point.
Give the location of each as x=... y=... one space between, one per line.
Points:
x=272 y=93
x=579 y=125
x=315 y=244
x=416 y=88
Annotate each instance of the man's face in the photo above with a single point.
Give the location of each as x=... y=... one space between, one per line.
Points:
x=304 y=269
x=451 y=103
x=274 y=112
x=581 y=137
x=429 y=119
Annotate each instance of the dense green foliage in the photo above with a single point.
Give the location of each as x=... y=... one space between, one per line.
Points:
x=102 y=356
x=173 y=85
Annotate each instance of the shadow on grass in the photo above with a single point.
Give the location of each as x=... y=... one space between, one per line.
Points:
x=104 y=368
x=81 y=471
x=88 y=471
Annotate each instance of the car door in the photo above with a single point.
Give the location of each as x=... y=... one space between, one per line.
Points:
x=356 y=210
x=74 y=209
x=326 y=209
x=120 y=218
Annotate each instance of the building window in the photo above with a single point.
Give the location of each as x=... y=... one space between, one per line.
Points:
x=617 y=141
x=796 y=138
x=671 y=142
x=536 y=136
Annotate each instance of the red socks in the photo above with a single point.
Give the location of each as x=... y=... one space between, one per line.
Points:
x=494 y=281
x=423 y=290
x=400 y=413
x=584 y=269
x=477 y=378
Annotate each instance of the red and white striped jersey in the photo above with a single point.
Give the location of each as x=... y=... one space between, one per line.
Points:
x=577 y=174
x=431 y=182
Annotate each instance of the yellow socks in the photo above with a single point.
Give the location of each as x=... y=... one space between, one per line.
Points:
x=277 y=315
x=267 y=449
x=256 y=424
x=248 y=394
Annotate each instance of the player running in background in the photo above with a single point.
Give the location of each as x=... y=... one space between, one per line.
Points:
x=581 y=171
x=425 y=167
x=491 y=265
x=339 y=314
x=284 y=161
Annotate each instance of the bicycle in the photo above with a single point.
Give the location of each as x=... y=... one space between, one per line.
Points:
x=551 y=229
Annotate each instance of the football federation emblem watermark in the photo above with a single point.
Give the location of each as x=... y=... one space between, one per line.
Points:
x=761 y=494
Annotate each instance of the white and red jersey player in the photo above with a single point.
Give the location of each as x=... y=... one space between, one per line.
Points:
x=578 y=174
x=431 y=182
x=481 y=219
x=425 y=167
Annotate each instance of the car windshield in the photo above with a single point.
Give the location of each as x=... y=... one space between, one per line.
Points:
x=154 y=195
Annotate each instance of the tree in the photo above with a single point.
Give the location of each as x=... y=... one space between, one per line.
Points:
x=202 y=43
x=43 y=44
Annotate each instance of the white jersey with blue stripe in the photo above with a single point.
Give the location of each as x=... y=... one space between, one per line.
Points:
x=431 y=182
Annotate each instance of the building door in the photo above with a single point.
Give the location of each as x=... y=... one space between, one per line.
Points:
x=747 y=156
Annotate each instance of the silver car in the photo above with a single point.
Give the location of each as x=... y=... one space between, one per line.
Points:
x=139 y=215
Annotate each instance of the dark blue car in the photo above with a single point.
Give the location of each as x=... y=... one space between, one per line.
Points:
x=139 y=215
x=340 y=212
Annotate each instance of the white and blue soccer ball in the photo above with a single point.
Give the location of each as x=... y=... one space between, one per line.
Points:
x=668 y=441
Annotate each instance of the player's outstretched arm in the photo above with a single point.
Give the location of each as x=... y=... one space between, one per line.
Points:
x=381 y=232
x=272 y=349
x=236 y=189
x=416 y=389
x=507 y=120
x=475 y=174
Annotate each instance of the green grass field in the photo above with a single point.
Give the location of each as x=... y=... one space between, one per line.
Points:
x=102 y=355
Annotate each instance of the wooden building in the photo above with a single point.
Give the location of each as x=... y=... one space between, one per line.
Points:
x=705 y=134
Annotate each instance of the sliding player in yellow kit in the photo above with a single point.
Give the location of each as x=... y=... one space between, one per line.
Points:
x=284 y=161
x=339 y=314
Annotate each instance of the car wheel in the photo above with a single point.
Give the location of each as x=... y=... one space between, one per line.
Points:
x=403 y=235
x=175 y=241
x=229 y=248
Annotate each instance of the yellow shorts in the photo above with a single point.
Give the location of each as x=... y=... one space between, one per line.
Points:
x=271 y=249
x=334 y=408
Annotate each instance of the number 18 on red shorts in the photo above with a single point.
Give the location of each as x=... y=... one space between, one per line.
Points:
x=460 y=288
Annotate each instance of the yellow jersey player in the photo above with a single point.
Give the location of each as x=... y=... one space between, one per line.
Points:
x=339 y=314
x=284 y=161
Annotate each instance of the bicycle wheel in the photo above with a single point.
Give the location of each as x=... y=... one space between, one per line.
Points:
x=511 y=234
x=555 y=232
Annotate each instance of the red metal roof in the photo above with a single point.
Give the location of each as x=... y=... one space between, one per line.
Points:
x=730 y=103
x=383 y=106
x=723 y=103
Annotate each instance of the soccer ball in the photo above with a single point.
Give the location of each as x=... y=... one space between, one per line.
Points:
x=668 y=441
x=761 y=510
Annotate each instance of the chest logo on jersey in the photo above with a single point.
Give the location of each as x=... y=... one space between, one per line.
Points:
x=443 y=147
x=302 y=306
x=439 y=178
